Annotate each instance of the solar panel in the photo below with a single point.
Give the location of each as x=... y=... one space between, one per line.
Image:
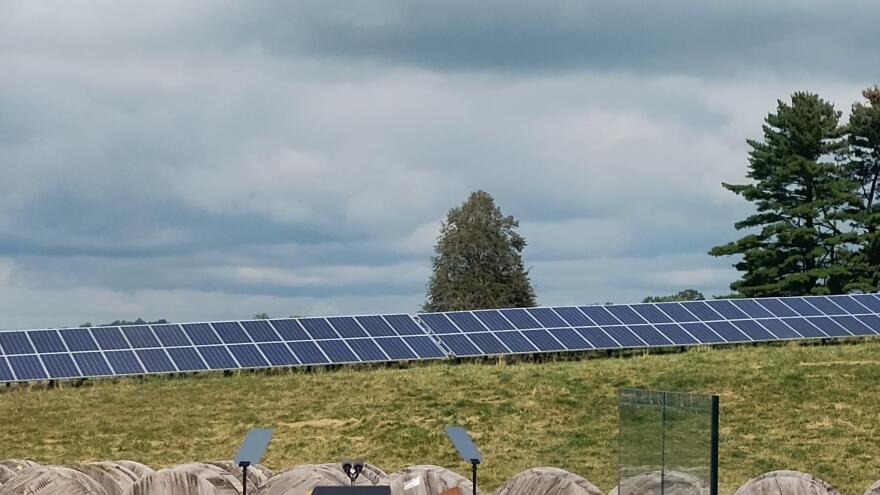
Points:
x=69 y=353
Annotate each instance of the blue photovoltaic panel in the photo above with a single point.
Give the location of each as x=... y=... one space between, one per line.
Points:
x=201 y=333
x=231 y=332
x=308 y=352
x=753 y=330
x=852 y=325
x=367 y=350
x=488 y=343
x=110 y=338
x=493 y=320
x=780 y=329
x=776 y=307
x=571 y=339
x=140 y=337
x=404 y=325
x=460 y=345
x=728 y=332
x=520 y=319
x=547 y=317
x=60 y=366
x=347 y=327
x=677 y=312
x=850 y=305
x=624 y=336
x=467 y=322
x=424 y=347
x=702 y=310
x=46 y=341
x=751 y=308
x=27 y=367
x=676 y=334
x=829 y=327
x=826 y=306
x=702 y=333
x=803 y=327
x=248 y=356
x=574 y=317
x=600 y=315
x=278 y=354
x=337 y=351
x=290 y=330
x=543 y=340
x=376 y=326
x=217 y=357
x=801 y=306
x=5 y=371
x=626 y=315
x=155 y=360
x=396 y=348
x=439 y=323
x=171 y=335
x=871 y=321
x=186 y=359
x=869 y=301
x=650 y=335
x=597 y=338
x=727 y=310
x=318 y=328
x=651 y=313
x=260 y=331
x=79 y=339
x=92 y=364
x=516 y=342
x=15 y=343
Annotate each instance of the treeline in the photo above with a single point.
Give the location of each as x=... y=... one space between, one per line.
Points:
x=814 y=184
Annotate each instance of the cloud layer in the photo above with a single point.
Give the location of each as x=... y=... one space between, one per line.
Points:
x=203 y=160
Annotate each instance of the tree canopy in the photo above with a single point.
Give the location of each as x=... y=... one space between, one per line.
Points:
x=478 y=260
x=685 y=295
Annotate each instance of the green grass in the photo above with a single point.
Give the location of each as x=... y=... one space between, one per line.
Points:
x=809 y=408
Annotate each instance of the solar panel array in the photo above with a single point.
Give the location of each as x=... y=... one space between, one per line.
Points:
x=56 y=354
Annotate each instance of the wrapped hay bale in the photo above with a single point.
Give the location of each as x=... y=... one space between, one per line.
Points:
x=426 y=480
x=113 y=478
x=300 y=480
x=786 y=483
x=6 y=474
x=140 y=470
x=372 y=473
x=874 y=489
x=51 y=480
x=172 y=482
x=657 y=483
x=222 y=480
x=547 y=481
x=255 y=476
x=18 y=465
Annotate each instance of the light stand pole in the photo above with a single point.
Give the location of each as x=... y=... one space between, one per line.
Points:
x=251 y=451
x=466 y=450
x=244 y=465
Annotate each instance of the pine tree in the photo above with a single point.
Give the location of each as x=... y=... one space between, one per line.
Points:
x=478 y=262
x=799 y=241
x=863 y=163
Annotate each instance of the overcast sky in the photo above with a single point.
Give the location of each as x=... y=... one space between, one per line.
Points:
x=211 y=160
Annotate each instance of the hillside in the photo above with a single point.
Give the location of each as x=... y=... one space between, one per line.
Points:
x=810 y=408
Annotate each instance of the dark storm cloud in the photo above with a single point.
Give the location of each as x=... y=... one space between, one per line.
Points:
x=683 y=37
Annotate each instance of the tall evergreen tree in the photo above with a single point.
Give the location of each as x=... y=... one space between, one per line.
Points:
x=478 y=262
x=799 y=241
x=863 y=162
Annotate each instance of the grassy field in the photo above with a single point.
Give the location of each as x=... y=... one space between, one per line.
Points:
x=809 y=408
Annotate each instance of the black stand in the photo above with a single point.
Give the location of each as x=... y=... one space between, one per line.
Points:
x=474 y=473
x=244 y=465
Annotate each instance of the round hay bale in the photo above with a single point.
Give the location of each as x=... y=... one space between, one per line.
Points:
x=172 y=482
x=673 y=483
x=547 y=481
x=225 y=483
x=6 y=474
x=786 y=483
x=301 y=479
x=372 y=473
x=255 y=476
x=51 y=480
x=267 y=473
x=140 y=470
x=18 y=465
x=113 y=478
x=874 y=489
x=426 y=480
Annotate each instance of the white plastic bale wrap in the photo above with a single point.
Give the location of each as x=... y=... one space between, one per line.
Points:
x=222 y=480
x=673 y=483
x=300 y=480
x=52 y=480
x=786 y=483
x=113 y=478
x=874 y=489
x=6 y=474
x=255 y=475
x=140 y=470
x=172 y=482
x=426 y=480
x=547 y=481
x=18 y=465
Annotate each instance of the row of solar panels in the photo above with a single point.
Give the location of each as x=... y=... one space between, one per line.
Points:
x=148 y=349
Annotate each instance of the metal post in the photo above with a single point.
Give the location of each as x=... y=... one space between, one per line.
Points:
x=713 y=470
x=244 y=467
x=663 y=444
x=474 y=469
